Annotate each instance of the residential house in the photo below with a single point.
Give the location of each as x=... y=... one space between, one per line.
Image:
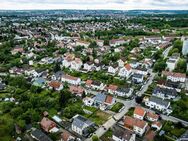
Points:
x=122 y=134
x=117 y=42
x=100 y=43
x=164 y=93
x=71 y=79
x=121 y=62
x=137 y=78
x=140 y=70
x=158 y=104
x=111 y=88
x=135 y=124
x=57 y=76
x=152 y=116
x=67 y=60
x=39 y=135
x=81 y=125
x=125 y=71
x=175 y=77
x=78 y=90
x=172 y=61
x=169 y=85
x=157 y=125
x=76 y=64
x=66 y=136
x=183 y=137
x=47 y=125
x=139 y=113
x=56 y=85
x=88 y=101
x=97 y=85
x=16 y=50
x=82 y=43
x=113 y=69
x=88 y=66
x=39 y=82
x=120 y=91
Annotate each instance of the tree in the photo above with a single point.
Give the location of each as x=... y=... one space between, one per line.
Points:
x=172 y=51
x=181 y=66
x=95 y=138
x=178 y=44
x=57 y=67
x=160 y=66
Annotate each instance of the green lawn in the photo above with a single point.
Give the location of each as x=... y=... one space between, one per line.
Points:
x=173 y=129
x=99 y=117
x=107 y=136
x=117 y=107
x=130 y=112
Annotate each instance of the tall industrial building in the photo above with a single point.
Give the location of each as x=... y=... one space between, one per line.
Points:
x=185 y=47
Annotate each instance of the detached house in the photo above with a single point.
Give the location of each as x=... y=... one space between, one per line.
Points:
x=125 y=71
x=76 y=64
x=137 y=125
x=152 y=116
x=111 y=89
x=137 y=78
x=97 y=85
x=78 y=90
x=71 y=79
x=67 y=60
x=57 y=76
x=140 y=70
x=58 y=86
x=81 y=125
x=139 y=113
x=82 y=43
x=88 y=66
x=17 y=49
x=164 y=93
x=113 y=69
x=47 y=124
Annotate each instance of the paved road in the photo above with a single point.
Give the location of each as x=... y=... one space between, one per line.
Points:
x=166 y=51
x=169 y=118
x=145 y=87
x=114 y=119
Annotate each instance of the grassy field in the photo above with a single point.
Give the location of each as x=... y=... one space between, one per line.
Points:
x=99 y=117
x=117 y=107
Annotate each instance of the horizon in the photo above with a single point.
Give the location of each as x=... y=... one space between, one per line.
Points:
x=94 y=5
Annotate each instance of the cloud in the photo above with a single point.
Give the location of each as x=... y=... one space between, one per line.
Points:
x=95 y=4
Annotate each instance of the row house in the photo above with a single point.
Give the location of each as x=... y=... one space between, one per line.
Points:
x=71 y=79
x=117 y=42
x=175 y=77
x=158 y=104
x=164 y=93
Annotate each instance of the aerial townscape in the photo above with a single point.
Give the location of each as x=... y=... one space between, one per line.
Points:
x=93 y=75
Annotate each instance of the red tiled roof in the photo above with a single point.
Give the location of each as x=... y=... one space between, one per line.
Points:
x=139 y=111
x=89 y=82
x=150 y=135
x=152 y=115
x=128 y=67
x=55 y=84
x=65 y=135
x=69 y=77
x=131 y=122
x=47 y=124
x=112 y=87
x=76 y=90
x=157 y=123
x=109 y=99
x=174 y=74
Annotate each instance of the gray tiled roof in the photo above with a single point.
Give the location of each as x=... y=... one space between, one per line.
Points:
x=100 y=97
x=159 y=101
x=81 y=121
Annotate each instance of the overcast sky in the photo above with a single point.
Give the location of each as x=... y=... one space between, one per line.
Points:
x=94 y=4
